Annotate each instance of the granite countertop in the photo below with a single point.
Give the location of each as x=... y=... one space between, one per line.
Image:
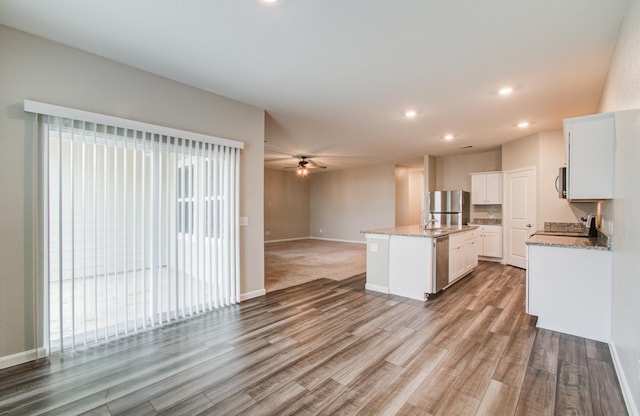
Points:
x=567 y=241
x=416 y=231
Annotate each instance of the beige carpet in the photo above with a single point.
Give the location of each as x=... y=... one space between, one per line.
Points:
x=291 y=263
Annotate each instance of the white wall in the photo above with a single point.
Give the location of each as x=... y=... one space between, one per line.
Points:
x=38 y=69
x=344 y=203
x=622 y=92
x=286 y=206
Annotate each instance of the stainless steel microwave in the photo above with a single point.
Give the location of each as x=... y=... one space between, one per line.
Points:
x=561 y=182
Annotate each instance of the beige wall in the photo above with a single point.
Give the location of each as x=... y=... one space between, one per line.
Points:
x=286 y=205
x=546 y=152
x=343 y=203
x=430 y=173
x=622 y=92
x=550 y=206
x=402 y=196
x=453 y=171
x=521 y=153
x=41 y=70
x=416 y=195
x=622 y=89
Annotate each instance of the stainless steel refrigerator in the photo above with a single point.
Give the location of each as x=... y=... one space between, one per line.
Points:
x=449 y=208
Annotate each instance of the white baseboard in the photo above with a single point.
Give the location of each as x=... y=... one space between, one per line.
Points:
x=338 y=240
x=624 y=385
x=494 y=259
x=22 y=357
x=377 y=288
x=287 y=239
x=251 y=295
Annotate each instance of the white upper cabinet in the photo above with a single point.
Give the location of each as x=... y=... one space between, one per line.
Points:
x=486 y=188
x=590 y=144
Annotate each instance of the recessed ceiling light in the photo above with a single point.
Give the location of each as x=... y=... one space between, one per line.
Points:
x=410 y=114
x=523 y=124
x=448 y=136
x=269 y=1
x=505 y=90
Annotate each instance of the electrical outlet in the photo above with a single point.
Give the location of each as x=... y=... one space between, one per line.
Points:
x=267 y=233
x=373 y=247
x=320 y=230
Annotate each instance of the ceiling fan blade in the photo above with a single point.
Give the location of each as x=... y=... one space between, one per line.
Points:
x=315 y=165
x=278 y=152
x=277 y=159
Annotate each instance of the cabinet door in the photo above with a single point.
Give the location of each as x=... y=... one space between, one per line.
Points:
x=478 y=189
x=491 y=246
x=460 y=261
x=590 y=156
x=470 y=256
x=453 y=264
x=494 y=188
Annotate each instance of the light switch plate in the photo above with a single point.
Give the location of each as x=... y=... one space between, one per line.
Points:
x=244 y=221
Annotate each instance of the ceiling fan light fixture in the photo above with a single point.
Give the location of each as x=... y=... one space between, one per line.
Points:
x=506 y=90
x=410 y=114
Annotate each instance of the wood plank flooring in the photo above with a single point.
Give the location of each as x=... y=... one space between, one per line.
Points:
x=332 y=348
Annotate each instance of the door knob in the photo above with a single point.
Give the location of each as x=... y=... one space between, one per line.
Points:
x=528 y=225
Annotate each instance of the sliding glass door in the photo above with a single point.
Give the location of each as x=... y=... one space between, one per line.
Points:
x=140 y=229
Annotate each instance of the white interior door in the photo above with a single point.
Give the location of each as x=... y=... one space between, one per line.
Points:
x=520 y=207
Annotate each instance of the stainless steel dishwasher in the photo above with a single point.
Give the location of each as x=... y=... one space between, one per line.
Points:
x=441 y=263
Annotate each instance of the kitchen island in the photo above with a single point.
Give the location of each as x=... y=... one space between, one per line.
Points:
x=402 y=260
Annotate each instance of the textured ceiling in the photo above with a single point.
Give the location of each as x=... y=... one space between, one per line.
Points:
x=336 y=76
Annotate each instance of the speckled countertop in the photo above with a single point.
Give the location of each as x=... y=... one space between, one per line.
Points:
x=417 y=231
x=567 y=241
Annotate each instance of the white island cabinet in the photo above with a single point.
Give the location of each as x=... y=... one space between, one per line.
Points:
x=401 y=260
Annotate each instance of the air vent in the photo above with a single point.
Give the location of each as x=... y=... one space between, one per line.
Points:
x=466 y=147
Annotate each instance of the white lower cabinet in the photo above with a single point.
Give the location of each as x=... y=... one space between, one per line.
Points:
x=569 y=290
x=463 y=254
x=490 y=241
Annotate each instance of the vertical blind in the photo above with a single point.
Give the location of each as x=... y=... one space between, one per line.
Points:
x=141 y=224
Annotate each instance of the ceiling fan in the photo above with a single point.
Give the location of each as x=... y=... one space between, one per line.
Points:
x=306 y=163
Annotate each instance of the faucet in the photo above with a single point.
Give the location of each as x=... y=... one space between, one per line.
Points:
x=428 y=223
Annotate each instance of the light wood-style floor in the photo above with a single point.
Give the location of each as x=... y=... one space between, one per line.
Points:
x=290 y=263
x=330 y=347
